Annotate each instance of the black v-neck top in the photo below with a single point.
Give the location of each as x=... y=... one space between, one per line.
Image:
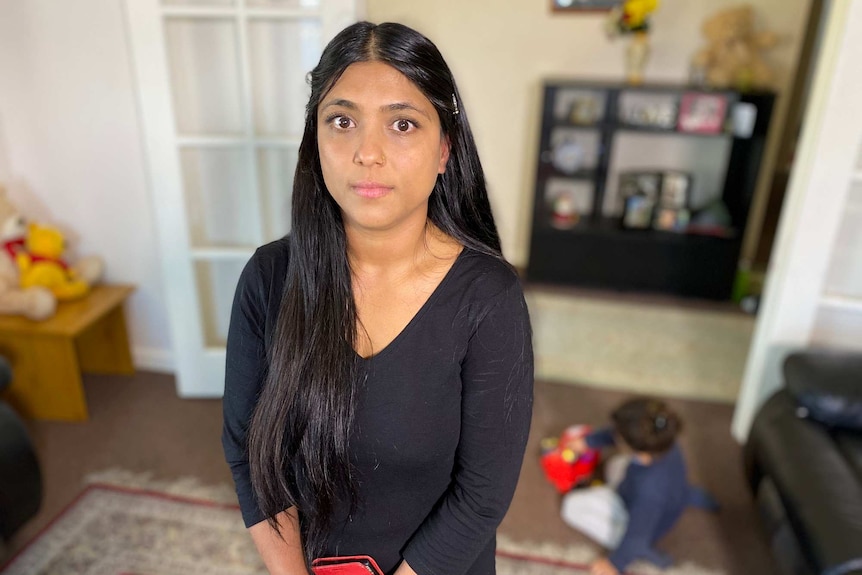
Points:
x=442 y=416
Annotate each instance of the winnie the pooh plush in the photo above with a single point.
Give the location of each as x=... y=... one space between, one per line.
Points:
x=733 y=57
x=36 y=302
x=41 y=264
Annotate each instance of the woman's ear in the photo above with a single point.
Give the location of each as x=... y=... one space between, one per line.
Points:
x=444 y=154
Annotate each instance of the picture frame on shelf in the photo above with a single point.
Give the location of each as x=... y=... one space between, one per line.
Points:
x=574 y=150
x=568 y=201
x=654 y=110
x=638 y=212
x=586 y=111
x=675 y=190
x=671 y=220
x=579 y=107
x=701 y=113
x=640 y=183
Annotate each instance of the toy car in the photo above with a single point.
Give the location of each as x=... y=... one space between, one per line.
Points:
x=562 y=467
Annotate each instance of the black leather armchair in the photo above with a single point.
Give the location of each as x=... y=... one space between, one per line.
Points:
x=803 y=458
x=20 y=475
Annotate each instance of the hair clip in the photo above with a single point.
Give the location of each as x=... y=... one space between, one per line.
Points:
x=455 y=105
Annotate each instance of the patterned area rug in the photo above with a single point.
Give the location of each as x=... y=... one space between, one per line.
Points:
x=127 y=524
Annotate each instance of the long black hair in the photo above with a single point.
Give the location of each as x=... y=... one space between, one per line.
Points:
x=298 y=435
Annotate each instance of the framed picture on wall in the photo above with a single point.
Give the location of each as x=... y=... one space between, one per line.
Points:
x=582 y=5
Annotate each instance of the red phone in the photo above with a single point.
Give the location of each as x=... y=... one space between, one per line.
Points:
x=353 y=565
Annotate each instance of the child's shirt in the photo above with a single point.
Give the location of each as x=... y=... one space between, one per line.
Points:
x=655 y=496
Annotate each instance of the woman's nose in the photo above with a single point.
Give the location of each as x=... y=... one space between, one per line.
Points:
x=369 y=149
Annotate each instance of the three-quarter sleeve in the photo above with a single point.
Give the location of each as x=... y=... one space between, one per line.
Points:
x=496 y=407
x=245 y=370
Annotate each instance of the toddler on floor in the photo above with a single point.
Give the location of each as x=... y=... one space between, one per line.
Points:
x=647 y=486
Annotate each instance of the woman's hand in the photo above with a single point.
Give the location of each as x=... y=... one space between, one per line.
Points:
x=603 y=567
x=282 y=555
x=404 y=569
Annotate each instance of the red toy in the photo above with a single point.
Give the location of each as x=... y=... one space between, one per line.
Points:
x=562 y=467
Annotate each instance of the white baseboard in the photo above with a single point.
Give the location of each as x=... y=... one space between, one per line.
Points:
x=153 y=359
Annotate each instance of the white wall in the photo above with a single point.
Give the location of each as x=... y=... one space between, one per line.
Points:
x=70 y=146
x=501 y=51
x=838 y=323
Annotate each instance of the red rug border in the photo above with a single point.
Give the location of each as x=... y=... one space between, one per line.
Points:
x=214 y=504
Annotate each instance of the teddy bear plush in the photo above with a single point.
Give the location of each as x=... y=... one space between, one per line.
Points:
x=36 y=302
x=41 y=264
x=732 y=57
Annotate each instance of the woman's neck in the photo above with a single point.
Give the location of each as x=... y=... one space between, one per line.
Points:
x=398 y=250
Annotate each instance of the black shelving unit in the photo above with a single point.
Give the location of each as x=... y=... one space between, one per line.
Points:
x=597 y=250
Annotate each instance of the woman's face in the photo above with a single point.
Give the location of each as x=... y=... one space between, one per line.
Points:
x=381 y=147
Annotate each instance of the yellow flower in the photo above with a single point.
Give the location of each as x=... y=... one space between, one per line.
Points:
x=636 y=11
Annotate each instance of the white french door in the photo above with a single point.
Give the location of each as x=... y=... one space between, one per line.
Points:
x=222 y=91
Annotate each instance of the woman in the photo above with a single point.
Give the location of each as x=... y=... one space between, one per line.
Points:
x=379 y=370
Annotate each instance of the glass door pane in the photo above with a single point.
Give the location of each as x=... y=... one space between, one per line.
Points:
x=275 y=178
x=216 y=283
x=205 y=75
x=221 y=208
x=281 y=54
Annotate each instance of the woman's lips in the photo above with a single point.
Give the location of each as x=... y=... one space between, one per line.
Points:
x=371 y=189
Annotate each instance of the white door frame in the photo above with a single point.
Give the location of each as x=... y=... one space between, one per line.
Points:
x=199 y=369
x=825 y=169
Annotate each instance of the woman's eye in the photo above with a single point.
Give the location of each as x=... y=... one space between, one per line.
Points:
x=404 y=125
x=342 y=122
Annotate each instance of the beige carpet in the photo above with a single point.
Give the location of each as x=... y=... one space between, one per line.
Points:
x=125 y=523
x=658 y=348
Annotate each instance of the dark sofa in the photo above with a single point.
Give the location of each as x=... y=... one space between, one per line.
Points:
x=20 y=476
x=803 y=459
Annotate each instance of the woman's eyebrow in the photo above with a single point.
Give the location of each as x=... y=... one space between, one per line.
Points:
x=403 y=106
x=340 y=102
x=394 y=107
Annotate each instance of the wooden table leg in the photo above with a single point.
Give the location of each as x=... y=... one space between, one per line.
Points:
x=104 y=346
x=46 y=381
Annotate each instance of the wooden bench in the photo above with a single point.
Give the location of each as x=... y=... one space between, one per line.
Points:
x=48 y=357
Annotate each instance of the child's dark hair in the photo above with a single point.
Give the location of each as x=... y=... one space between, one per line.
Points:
x=647 y=425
